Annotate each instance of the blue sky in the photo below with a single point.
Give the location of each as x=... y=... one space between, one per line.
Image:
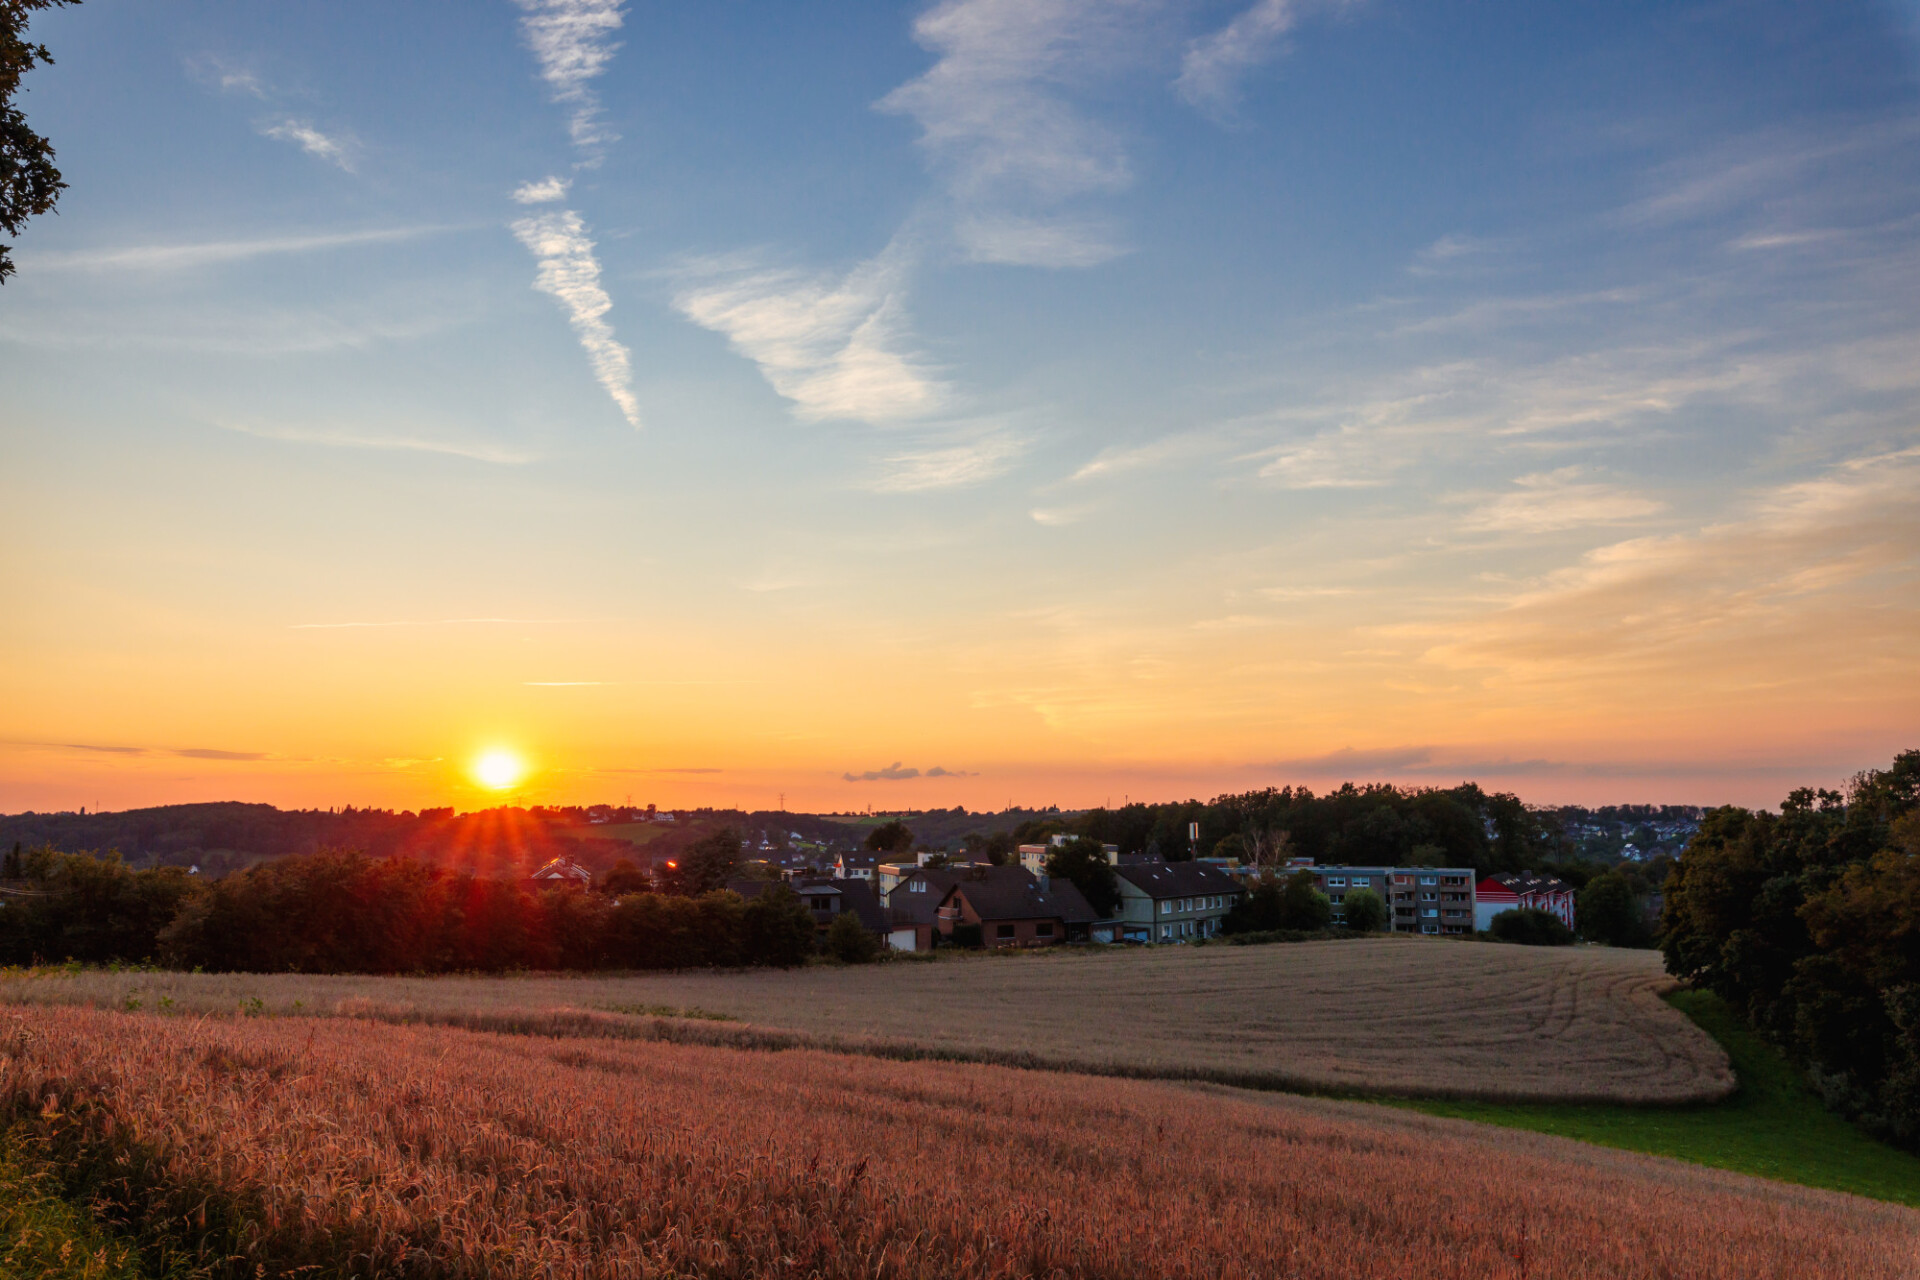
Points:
x=1068 y=395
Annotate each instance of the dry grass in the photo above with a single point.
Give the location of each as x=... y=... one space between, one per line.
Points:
x=1394 y=1016
x=374 y=1150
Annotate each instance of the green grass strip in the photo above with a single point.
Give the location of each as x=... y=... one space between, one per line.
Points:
x=1774 y=1125
x=48 y=1238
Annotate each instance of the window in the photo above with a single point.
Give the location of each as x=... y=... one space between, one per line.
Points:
x=1336 y=882
x=1361 y=882
x=1166 y=931
x=1003 y=931
x=1429 y=897
x=918 y=886
x=1336 y=898
x=1166 y=907
x=1429 y=879
x=1429 y=911
x=1043 y=929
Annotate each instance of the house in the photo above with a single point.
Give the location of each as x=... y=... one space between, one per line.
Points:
x=1033 y=857
x=1173 y=901
x=1014 y=908
x=826 y=899
x=561 y=873
x=1513 y=890
x=855 y=866
x=1429 y=900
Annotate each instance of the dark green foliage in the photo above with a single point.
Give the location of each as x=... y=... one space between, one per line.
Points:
x=1365 y=910
x=623 y=878
x=851 y=942
x=777 y=929
x=1608 y=911
x=997 y=848
x=890 y=837
x=1530 y=927
x=1808 y=923
x=11 y=866
x=29 y=183
x=1293 y=904
x=707 y=864
x=1302 y=905
x=80 y=907
x=1084 y=863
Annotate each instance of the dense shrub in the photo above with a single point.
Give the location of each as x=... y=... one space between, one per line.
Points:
x=1530 y=927
x=850 y=941
x=1366 y=911
x=1294 y=903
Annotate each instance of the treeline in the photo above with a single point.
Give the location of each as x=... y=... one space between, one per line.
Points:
x=500 y=842
x=346 y=912
x=1372 y=825
x=1808 y=922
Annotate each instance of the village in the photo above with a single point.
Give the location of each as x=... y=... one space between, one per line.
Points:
x=915 y=903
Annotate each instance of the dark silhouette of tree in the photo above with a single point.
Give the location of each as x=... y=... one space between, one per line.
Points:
x=850 y=941
x=1302 y=905
x=1084 y=863
x=708 y=863
x=1366 y=911
x=29 y=184
x=890 y=837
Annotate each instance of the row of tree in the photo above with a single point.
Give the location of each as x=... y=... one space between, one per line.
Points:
x=341 y=912
x=1808 y=922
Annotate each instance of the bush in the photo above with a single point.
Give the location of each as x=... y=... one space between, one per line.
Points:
x=777 y=928
x=851 y=942
x=1531 y=927
x=1366 y=911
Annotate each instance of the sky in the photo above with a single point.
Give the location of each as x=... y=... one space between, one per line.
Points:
x=998 y=401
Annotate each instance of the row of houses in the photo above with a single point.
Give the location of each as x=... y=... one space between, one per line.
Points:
x=910 y=902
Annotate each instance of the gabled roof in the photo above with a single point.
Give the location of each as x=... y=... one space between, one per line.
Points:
x=1022 y=897
x=1176 y=879
x=1521 y=882
x=858 y=897
x=562 y=869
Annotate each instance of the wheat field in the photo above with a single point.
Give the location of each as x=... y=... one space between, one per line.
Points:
x=261 y=1147
x=1385 y=1016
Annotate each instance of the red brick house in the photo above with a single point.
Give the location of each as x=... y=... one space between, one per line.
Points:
x=1014 y=908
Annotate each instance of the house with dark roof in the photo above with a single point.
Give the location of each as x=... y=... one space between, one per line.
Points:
x=826 y=899
x=562 y=873
x=1168 y=902
x=1514 y=890
x=1012 y=907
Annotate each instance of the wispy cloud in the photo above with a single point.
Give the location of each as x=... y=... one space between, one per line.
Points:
x=949 y=465
x=895 y=773
x=185 y=753
x=573 y=42
x=563 y=684
x=226 y=74
x=571 y=274
x=360 y=438
x=1547 y=502
x=181 y=257
x=433 y=622
x=334 y=149
x=999 y=125
x=1811 y=574
x=834 y=345
x=1214 y=64
x=545 y=191
x=214 y=753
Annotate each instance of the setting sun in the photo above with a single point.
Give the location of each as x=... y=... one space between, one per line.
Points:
x=499 y=769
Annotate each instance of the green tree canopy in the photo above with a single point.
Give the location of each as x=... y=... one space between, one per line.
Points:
x=30 y=185
x=1083 y=862
x=1365 y=910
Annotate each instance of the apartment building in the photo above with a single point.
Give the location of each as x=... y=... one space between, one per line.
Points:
x=1430 y=900
x=1167 y=902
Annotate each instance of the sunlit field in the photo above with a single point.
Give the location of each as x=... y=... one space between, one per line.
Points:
x=334 y=1144
x=1403 y=1016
